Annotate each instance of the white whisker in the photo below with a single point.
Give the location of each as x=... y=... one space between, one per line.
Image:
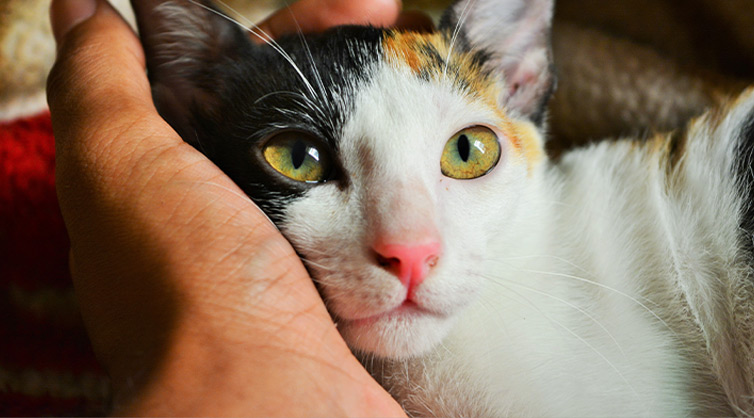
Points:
x=308 y=50
x=222 y=187
x=318 y=265
x=456 y=32
x=574 y=334
x=598 y=284
x=569 y=304
x=554 y=257
x=281 y=92
x=261 y=34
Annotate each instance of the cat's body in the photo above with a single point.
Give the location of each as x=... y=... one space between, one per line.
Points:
x=624 y=293
x=473 y=276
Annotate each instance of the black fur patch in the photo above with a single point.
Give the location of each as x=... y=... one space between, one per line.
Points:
x=256 y=92
x=744 y=171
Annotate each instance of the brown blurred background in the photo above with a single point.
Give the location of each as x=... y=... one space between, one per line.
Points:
x=628 y=67
x=625 y=66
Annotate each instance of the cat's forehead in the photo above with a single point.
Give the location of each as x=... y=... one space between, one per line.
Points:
x=383 y=99
x=422 y=90
x=392 y=96
x=437 y=56
x=328 y=70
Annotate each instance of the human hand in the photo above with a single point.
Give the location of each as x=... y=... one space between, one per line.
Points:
x=194 y=302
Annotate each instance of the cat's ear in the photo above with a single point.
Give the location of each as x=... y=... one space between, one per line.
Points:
x=183 y=40
x=514 y=37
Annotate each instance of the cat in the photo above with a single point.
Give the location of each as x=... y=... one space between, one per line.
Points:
x=470 y=274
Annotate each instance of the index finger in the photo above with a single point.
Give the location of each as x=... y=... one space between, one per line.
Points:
x=318 y=15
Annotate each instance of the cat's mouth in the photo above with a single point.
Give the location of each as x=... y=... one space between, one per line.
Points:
x=401 y=332
x=407 y=309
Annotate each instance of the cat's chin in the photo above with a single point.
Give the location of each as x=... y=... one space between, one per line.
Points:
x=405 y=332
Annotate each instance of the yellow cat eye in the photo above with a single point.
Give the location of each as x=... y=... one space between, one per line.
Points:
x=470 y=153
x=298 y=157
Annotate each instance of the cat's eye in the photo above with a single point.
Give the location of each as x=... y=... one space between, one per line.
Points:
x=470 y=153
x=299 y=157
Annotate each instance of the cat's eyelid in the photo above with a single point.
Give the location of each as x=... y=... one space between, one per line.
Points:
x=489 y=125
x=315 y=137
x=334 y=170
x=268 y=134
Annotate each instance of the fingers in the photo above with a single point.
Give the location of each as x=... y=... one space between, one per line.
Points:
x=65 y=15
x=415 y=20
x=106 y=127
x=318 y=15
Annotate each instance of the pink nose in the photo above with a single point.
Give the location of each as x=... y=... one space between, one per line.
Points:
x=410 y=263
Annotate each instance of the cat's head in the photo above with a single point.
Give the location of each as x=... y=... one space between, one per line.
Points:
x=389 y=159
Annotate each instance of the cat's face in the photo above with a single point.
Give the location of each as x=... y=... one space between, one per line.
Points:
x=389 y=160
x=400 y=135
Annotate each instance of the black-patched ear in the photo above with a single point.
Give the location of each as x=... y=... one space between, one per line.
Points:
x=514 y=37
x=183 y=40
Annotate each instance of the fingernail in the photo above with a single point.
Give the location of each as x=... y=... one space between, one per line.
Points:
x=65 y=14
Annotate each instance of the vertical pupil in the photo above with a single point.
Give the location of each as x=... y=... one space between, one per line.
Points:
x=298 y=154
x=464 y=148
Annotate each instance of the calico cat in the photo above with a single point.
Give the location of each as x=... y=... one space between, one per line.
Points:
x=472 y=275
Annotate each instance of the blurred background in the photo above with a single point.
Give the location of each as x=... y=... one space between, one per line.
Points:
x=625 y=67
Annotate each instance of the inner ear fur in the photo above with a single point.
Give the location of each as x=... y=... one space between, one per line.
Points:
x=514 y=35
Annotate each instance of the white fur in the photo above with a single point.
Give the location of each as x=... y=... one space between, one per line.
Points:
x=395 y=187
x=589 y=287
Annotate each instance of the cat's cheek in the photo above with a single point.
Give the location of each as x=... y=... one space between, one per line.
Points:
x=450 y=294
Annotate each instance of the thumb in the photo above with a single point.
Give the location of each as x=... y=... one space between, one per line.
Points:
x=160 y=237
x=98 y=82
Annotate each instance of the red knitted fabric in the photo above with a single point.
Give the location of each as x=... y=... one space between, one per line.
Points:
x=46 y=363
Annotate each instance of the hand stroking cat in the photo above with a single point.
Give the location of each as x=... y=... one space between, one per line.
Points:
x=194 y=302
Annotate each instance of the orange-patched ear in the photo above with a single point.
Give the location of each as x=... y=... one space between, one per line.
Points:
x=513 y=39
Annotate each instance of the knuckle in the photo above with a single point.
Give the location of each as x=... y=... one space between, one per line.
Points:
x=72 y=74
x=93 y=64
x=365 y=11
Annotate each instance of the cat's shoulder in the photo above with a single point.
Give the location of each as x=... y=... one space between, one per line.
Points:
x=690 y=193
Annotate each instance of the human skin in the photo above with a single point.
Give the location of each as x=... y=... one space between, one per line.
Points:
x=194 y=302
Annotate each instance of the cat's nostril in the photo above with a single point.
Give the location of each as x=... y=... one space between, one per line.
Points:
x=387 y=262
x=409 y=263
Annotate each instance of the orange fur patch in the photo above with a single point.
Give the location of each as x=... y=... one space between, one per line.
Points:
x=429 y=55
